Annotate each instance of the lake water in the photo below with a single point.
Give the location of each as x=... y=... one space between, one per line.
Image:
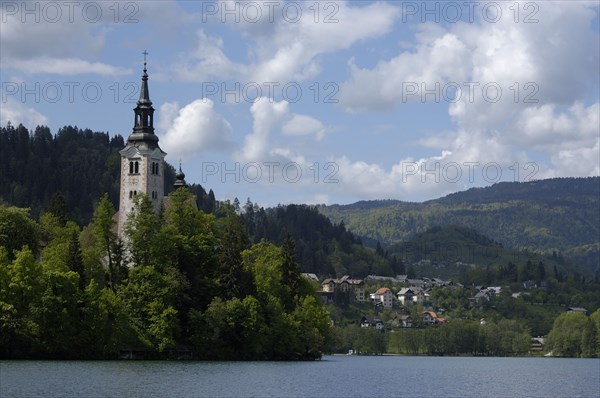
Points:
x=334 y=376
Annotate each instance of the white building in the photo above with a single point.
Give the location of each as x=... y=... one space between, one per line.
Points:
x=383 y=296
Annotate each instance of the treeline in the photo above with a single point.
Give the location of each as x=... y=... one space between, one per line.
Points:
x=504 y=338
x=551 y=190
x=322 y=247
x=182 y=281
x=573 y=335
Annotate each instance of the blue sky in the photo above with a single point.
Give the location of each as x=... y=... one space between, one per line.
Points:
x=321 y=102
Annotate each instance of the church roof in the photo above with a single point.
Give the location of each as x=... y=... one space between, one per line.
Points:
x=143 y=128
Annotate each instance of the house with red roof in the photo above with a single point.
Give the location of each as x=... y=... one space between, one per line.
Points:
x=431 y=318
x=383 y=296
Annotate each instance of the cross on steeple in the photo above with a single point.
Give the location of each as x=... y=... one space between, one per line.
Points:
x=145 y=53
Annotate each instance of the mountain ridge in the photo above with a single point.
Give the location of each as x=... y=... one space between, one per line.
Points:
x=558 y=214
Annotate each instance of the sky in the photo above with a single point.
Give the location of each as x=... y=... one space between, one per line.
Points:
x=321 y=102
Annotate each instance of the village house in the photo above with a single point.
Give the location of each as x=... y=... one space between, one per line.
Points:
x=405 y=296
x=537 y=344
x=485 y=294
x=369 y=321
x=577 y=309
x=419 y=295
x=417 y=283
x=529 y=284
x=440 y=282
x=481 y=296
x=328 y=285
x=403 y=321
x=431 y=318
x=383 y=297
x=345 y=284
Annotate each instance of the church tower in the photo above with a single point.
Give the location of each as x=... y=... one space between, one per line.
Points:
x=142 y=160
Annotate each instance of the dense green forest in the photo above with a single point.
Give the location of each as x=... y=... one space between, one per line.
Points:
x=185 y=281
x=81 y=164
x=77 y=166
x=556 y=215
x=321 y=247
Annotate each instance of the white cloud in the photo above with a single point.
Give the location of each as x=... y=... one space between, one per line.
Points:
x=583 y=161
x=67 y=37
x=193 y=129
x=304 y=125
x=17 y=113
x=547 y=129
x=46 y=39
x=283 y=50
x=25 y=38
x=404 y=77
x=208 y=59
x=266 y=114
x=557 y=56
x=68 y=66
x=271 y=119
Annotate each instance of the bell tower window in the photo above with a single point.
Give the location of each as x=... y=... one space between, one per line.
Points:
x=134 y=167
x=154 y=168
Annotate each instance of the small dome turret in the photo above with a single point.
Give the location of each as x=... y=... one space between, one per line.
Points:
x=180 y=179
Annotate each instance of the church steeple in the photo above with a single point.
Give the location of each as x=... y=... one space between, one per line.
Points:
x=143 y=127
x=142 y=160
x=144 y=93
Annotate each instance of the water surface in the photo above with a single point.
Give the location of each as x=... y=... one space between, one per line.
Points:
x=334 y=376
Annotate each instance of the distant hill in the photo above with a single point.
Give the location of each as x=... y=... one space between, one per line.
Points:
x=555 y=190
x=448 y=251
x=556 y=215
